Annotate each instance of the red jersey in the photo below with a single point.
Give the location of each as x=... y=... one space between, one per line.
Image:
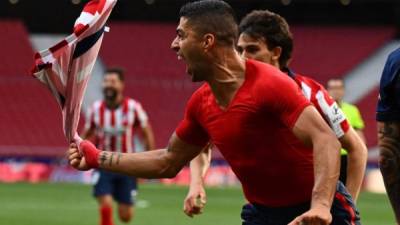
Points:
x=114 y=128
x=255 y=136
x=324 y=103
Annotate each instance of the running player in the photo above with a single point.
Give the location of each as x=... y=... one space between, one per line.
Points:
x=112 y=123
x=265 y=36
x=388 y=117
x=284 y=154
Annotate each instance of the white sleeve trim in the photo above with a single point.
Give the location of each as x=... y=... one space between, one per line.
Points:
x=333 y=114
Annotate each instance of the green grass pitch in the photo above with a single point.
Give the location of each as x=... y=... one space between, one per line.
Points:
x=72 y=204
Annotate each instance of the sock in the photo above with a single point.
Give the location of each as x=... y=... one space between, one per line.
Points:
x=106 y=215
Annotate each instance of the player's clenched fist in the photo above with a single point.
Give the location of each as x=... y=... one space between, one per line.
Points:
x=315 y=216
x=84 y=159
x=195 y=200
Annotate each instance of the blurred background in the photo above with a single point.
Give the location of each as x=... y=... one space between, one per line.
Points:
x=347 y=39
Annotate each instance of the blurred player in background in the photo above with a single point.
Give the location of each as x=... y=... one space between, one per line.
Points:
x=336 y=89
x=265 y=36
x=388 y=117
x=112 y=124
x=284 y=154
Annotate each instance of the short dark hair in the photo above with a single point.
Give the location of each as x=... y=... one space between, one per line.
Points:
x=273 y=28
x=116 y=70
x=212 y=16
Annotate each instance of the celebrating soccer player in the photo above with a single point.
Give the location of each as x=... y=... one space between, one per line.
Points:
x=388 y=116
x=279 y=146
x=265 y=36
x=111 y=123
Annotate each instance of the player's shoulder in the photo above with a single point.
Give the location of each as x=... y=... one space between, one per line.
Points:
x=391 y=70
x=201 y=92
x=268 y=84
x=393 y=62
x=265 y=75
x=199 y=96
x=394 y=56
x=133 y=104
x=312 y=88
x=311 y=83
x=130 y=100
x=260 y=70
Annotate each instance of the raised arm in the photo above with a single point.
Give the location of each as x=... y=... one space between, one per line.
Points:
x=357 y=161
x=314 y=131
x=357 y=151
x=163 y=163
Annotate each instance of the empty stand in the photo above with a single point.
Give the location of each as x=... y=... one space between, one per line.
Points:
x=329 y=51
x=30 y=118
x=16 y=52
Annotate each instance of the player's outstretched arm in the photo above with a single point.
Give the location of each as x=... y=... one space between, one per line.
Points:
x=357 y=161
x=196 y=198
x=389 y=163
x=313 y=131
x=151 y=164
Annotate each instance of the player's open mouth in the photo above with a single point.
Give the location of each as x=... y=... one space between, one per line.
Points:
x=180 y=58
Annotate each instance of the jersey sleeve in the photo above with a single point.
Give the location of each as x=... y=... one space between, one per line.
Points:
x=283 y=98
x=331 y=112
x=189 y=129
x=141 y=118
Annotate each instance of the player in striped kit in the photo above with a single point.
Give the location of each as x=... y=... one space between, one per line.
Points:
x=112 y=124
x=265 y=36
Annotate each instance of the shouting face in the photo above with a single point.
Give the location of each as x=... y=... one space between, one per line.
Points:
x=188 y=47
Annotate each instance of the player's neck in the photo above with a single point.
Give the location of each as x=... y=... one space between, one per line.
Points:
x=228 y=75
x=115 y=103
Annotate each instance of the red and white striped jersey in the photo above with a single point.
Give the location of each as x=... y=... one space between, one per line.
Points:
x=115 y=128
x=324 y=103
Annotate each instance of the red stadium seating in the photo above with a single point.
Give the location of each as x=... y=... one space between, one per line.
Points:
x=326 y=52
x=30 y=118
x=16 y=51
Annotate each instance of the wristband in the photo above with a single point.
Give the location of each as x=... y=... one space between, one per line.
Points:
x=91 y=154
